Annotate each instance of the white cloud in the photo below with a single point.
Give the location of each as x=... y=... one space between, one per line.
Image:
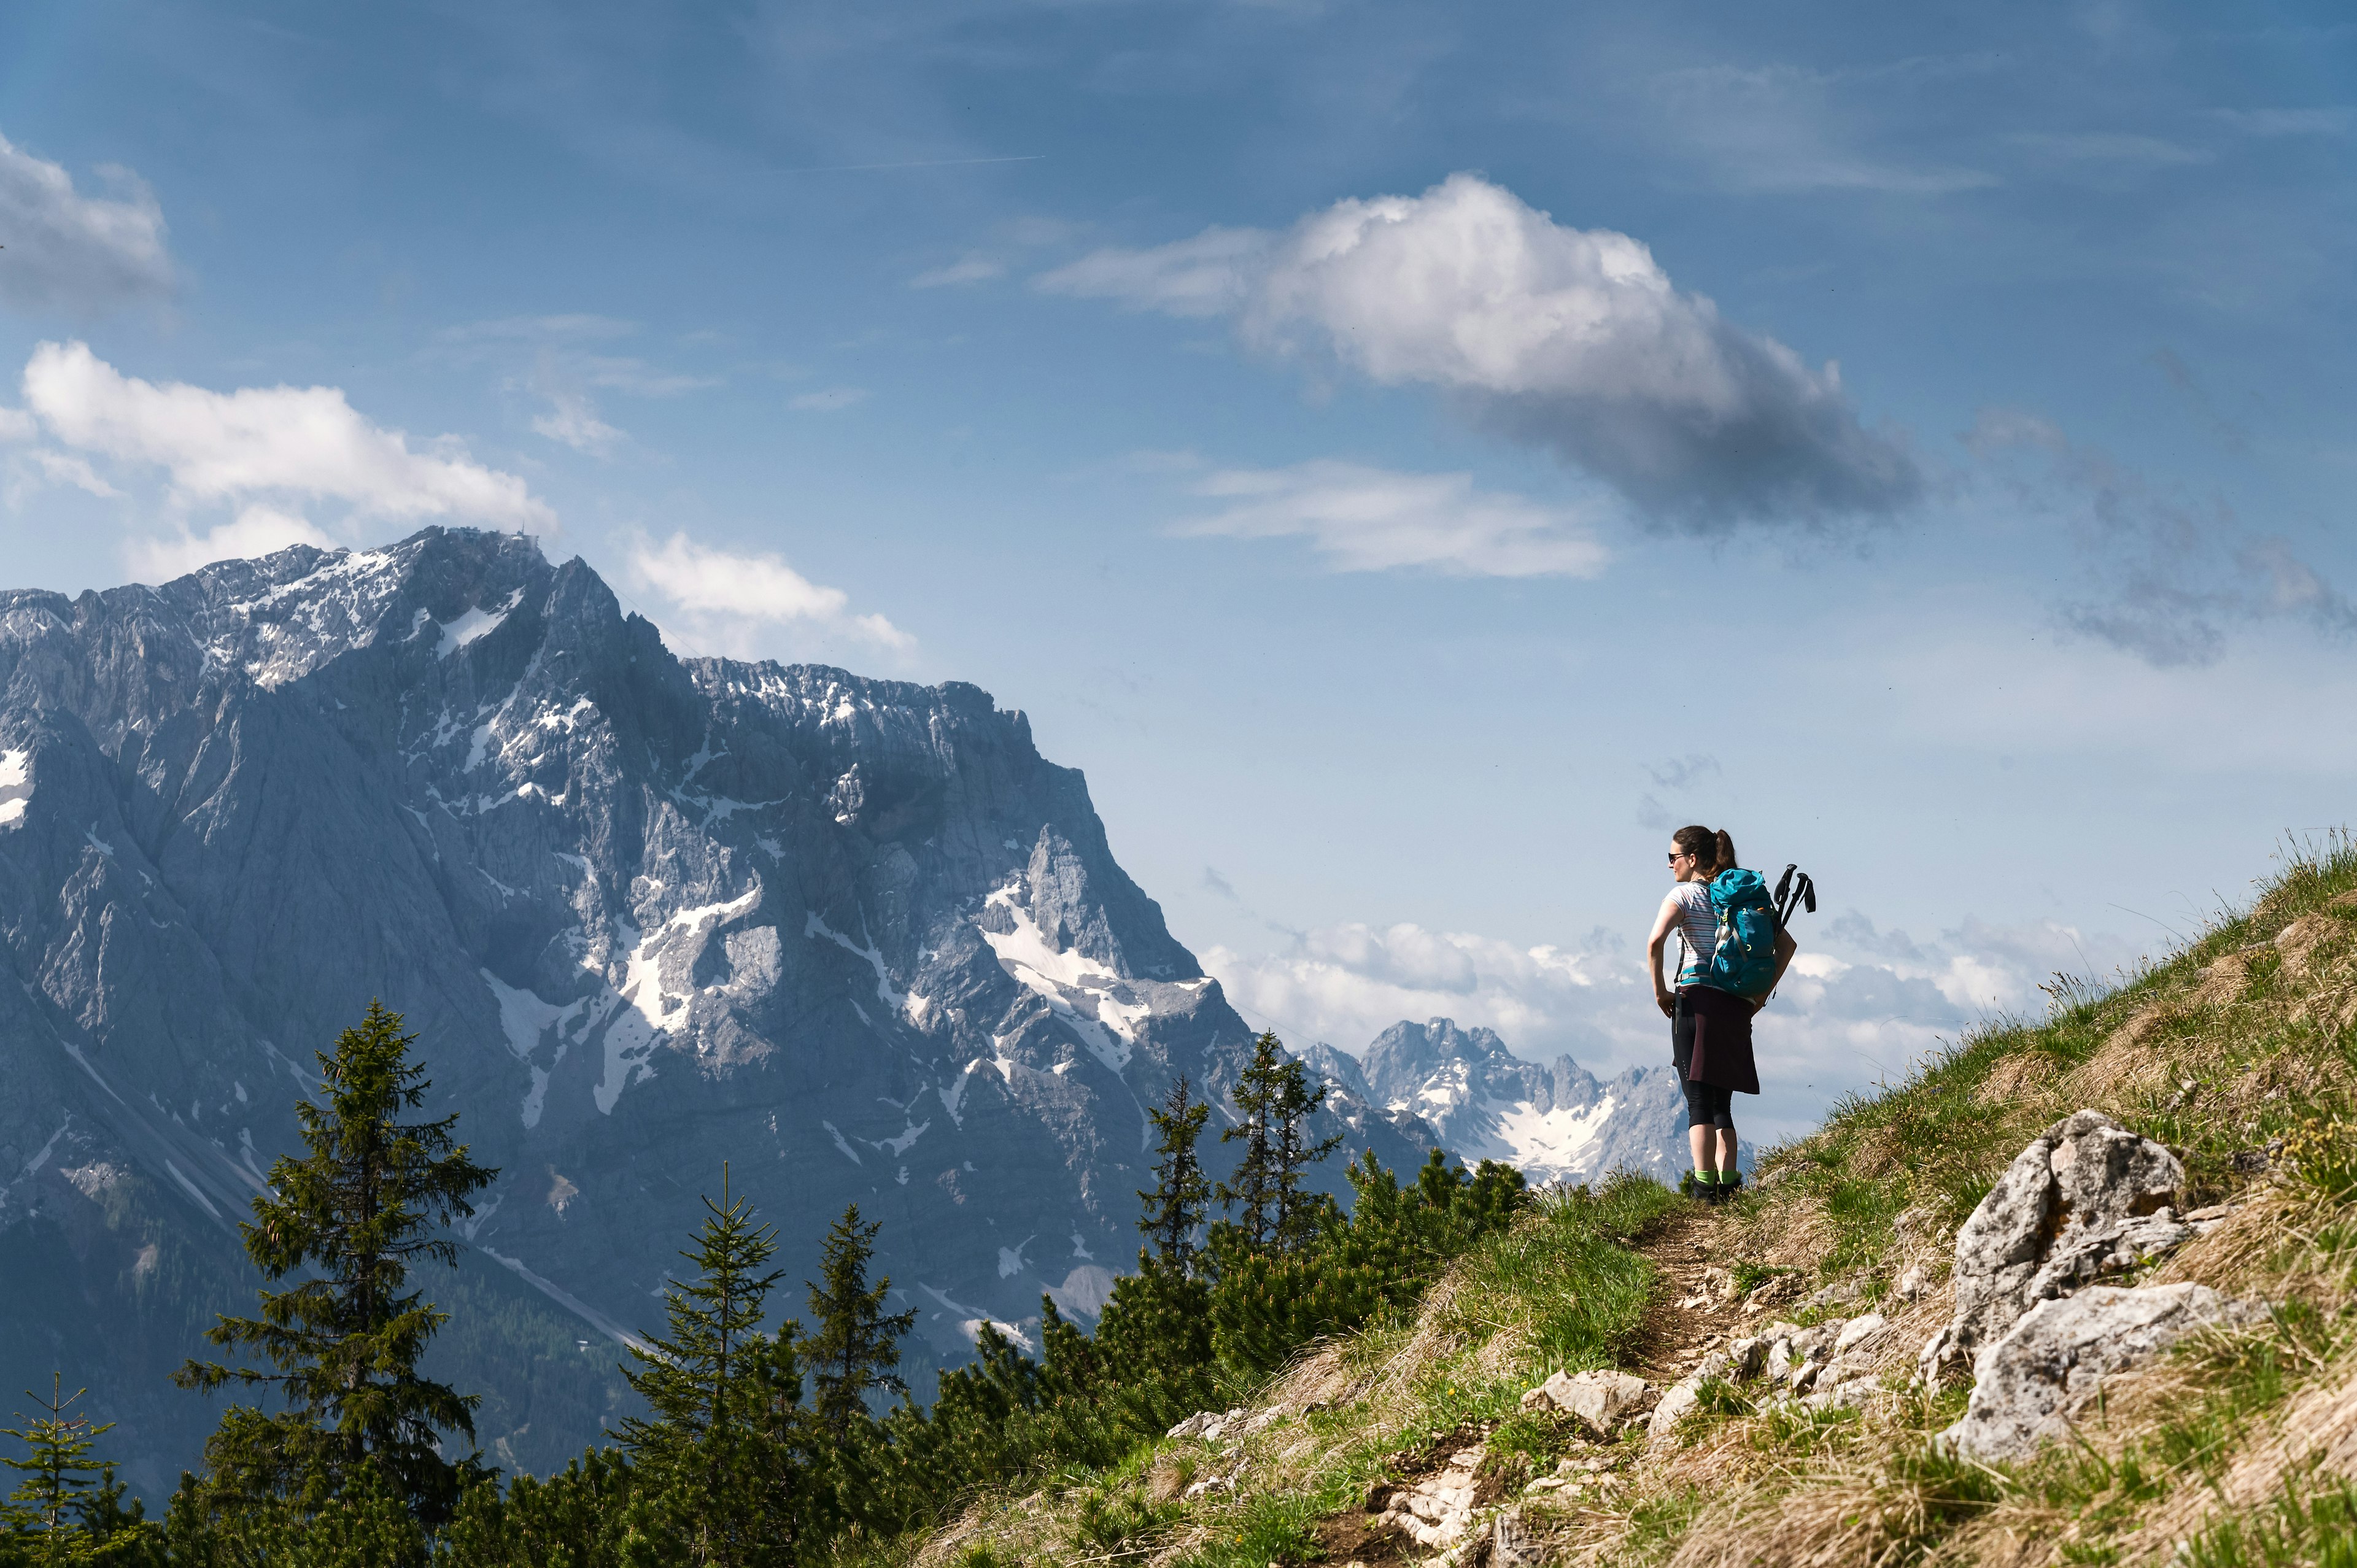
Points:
x=828 y=400
x=283 y=440
x=572 y=421
x=64 y=469
x=1571 y=339
x=1347 y=984
x=974 y=266
x=256 y=531
x=68 y=251
x=727 y=600
x=1860 y=1004
x=15 y=425
x=1371 y=520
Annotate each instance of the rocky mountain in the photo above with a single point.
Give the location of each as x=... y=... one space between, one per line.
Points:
x=855 y=939
x=1557 y=1123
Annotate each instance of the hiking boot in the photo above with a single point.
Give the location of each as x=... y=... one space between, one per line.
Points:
x=1729 y=1184
x=1697 y=1185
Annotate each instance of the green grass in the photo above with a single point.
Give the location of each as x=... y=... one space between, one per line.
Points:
x=2313 y=1525
x=1567 y=1277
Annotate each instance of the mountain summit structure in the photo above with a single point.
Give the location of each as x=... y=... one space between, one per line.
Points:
x=645 y=914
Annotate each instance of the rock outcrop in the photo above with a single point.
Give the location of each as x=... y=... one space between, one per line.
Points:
x=2085 y=1197
x=2029 y=1384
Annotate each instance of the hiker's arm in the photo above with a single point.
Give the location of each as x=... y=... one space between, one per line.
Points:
x=1663 y=923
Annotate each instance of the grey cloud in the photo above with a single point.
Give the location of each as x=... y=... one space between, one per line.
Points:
x=1869 y=992
x=1854 y=930
x=68 y=251
x=1573 y=341
x=2180 y=375
x=2173 y=572
x=1680 y=772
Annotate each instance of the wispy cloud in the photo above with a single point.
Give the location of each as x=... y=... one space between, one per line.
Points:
x=70 y=250
x=829 y=400
x=974 y=266
x=562 y=360
x=572 y=421
x=1784 y=129
x=2330 y=120
x=1373 y=519
x=1572 y=340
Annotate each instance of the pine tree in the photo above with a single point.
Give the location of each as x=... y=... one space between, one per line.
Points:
x=722 y=1458
x=1299 y=1215
x=857 y=1344
x=69 y=1506
x=369 y=1199
x=1175 y=1209
x=1274 y=1101
x=1254 y=1189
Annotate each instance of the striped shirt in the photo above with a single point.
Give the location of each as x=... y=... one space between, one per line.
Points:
x=1697 y=929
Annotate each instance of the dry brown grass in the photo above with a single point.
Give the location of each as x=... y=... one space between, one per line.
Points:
x=2032 y=1074
x=2316 y=1434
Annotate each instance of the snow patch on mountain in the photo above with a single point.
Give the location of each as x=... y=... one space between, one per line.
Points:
x=16 y=785
x=475 y=624
x=1098 y=1004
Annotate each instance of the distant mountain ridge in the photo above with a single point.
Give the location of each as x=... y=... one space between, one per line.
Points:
x=646 y=914
x=1557 y=1122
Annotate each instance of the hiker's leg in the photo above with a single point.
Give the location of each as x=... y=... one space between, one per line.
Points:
x=1700 y=1137
x=1727 y=1148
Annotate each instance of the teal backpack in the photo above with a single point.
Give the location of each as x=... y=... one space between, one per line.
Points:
x=1744 y=960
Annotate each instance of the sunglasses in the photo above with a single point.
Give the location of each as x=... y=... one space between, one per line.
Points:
x=1676 y=856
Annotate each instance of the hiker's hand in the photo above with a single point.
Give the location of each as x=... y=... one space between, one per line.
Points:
x=1666 y=1003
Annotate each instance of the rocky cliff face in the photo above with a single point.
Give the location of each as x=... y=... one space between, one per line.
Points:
x=855 y=937
x=1557 y=1123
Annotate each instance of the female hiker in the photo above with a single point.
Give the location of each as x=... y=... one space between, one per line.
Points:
x=1710 y=1027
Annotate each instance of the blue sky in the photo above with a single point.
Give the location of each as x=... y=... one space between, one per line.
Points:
x=1410 y=456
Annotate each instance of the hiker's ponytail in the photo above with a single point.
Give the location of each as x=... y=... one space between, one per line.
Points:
x=1712 y=849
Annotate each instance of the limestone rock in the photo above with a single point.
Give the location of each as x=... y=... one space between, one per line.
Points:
x=2065 y=1201
x=1433 y=1511
x=1204 y=1423
x=1512 y=1544
x=1600 y=1400
x=1859 y=1331
x=1844 y=1394
x=2030 y=1384
x=1678 y=1401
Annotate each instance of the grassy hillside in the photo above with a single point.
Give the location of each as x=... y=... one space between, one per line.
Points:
x=2237 y=1448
